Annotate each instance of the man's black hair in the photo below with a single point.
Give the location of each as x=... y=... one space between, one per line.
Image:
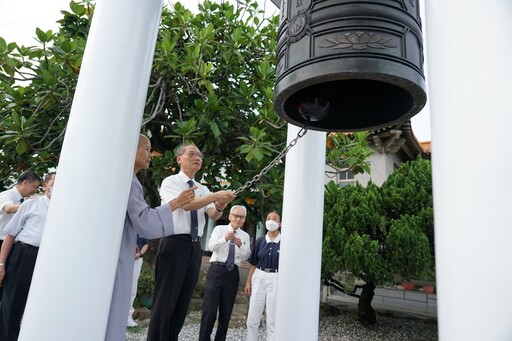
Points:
x=28 y=175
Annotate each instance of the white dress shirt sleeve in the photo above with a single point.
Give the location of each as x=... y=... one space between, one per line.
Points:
x=218 y=240
x=14 y=226
x=4 y=200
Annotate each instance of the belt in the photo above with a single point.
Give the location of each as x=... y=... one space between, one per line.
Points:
x=268 y=269
x=27 y=245
x=185 y=237
x=220 y=263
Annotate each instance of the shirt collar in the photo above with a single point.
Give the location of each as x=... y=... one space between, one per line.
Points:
x=277 y=239
x=17 y=192
x=184 y=177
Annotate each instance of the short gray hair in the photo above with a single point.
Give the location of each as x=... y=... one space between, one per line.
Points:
x=48 y=177
x=183 y=147
x=143 y=137
x=238 y=206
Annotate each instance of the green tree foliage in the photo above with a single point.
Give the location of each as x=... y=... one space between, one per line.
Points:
x=212 y=83
x=349 y=152
x=409 y=254
x=408 y=191
x=377 y=233
x=354 y=231
x=37 y=84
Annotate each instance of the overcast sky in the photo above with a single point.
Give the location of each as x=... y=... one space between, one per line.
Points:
x=19 y=19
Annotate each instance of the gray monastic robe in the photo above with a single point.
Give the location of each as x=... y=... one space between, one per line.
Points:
x=149 y=223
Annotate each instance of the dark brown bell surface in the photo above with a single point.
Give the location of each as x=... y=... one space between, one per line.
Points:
x=349 y=65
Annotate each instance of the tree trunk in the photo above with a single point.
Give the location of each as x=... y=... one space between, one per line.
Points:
x=365 y=311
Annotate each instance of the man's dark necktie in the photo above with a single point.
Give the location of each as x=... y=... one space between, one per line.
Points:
x=22 y=200
x=193 y=218
x=230 y=262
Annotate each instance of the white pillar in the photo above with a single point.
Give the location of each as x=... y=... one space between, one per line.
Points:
x=470 y=69
x=298 y=291
x=74 y=275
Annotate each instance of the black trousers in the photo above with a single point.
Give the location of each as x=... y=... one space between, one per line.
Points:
x=177 y=269
x=18 y=276
x=219 y=294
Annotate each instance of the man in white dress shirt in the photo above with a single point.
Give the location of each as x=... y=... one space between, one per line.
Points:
x=11 y=199
x=17 y=260
x=223 y=275
x=179 y=255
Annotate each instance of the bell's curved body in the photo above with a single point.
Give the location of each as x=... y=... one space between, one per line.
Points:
x=349 y=65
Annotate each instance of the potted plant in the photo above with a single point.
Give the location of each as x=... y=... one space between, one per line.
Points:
x=146 y=285
x=429 y=276
x=428 y=289
x=405 y=282
x=409 y=286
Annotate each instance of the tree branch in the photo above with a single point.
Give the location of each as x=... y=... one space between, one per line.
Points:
x=50 y=127
x=158 y=107
x=55 y=139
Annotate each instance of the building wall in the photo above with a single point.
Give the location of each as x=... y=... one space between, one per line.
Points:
x=381 y=166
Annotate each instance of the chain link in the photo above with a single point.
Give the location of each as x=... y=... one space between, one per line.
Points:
x=274 y=162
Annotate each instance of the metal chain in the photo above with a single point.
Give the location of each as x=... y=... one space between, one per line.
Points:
x=274 y=162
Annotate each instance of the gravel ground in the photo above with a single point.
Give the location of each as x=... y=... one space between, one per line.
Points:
x=341 y=326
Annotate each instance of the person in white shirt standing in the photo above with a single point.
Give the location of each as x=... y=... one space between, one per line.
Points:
x=178 y=260
x=17 y=260
x=261 y=284
x=230 y=246
x=11 y=199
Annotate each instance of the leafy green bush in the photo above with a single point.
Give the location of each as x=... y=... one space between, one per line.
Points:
x=146 y=285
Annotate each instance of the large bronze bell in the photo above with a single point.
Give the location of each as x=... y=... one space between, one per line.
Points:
x=349 y=65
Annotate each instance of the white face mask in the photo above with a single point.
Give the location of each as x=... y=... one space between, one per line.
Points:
x=271 y=225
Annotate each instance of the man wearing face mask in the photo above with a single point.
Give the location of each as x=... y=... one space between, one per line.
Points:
x=230 y=246
x=261 y=284
x=17 y=260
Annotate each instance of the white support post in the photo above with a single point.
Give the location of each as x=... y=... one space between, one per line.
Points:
x=298 y=291
x=74 y=275
x=470 y=72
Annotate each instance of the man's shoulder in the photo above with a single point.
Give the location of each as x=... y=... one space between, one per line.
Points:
x=179 y=178
x=219 y=227
x=244 y=233
x=8 y=194
x=34 y=201
x=171 y=177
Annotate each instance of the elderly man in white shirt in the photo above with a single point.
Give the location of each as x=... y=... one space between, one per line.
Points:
x=230 y=246
x=17 y=260
x=179 y=255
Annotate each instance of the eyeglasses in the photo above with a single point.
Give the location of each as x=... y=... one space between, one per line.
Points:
x=236 y=216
